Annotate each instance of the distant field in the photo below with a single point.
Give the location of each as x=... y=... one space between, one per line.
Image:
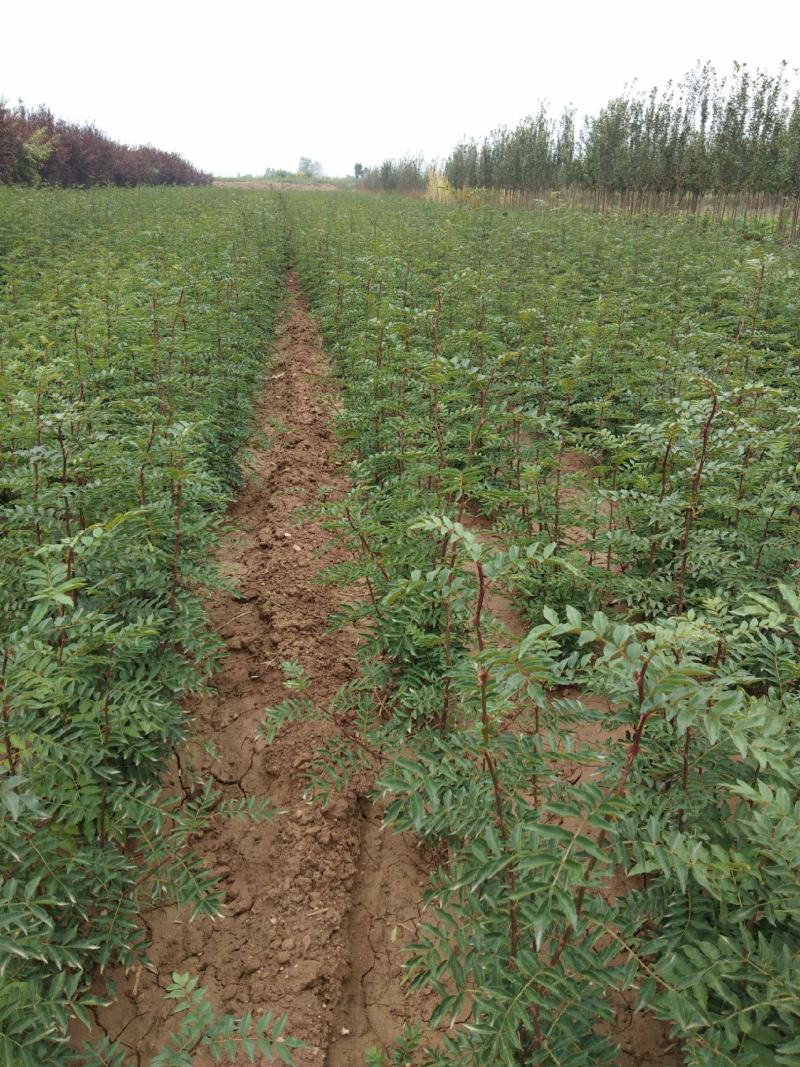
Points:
x=327 y=185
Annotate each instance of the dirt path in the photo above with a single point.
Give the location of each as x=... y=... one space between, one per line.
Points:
x=312 y=889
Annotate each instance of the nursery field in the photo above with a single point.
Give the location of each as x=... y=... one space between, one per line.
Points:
x=512 y=572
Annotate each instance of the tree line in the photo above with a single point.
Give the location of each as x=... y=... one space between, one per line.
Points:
x=36 y=147
x=707 y=134
x=406 y=175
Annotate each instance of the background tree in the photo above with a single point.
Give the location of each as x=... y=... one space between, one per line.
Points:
x=728 y=139
x=405 y=175
x=309 y=168
x=35 y=146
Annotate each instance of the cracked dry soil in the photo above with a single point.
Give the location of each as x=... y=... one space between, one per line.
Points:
x=301 y=933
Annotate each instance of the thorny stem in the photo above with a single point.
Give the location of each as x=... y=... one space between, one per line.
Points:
x=12 y=755
x=177 y=541
x=691 y=507
x=632 y=752
x=106 y=739
x=475 y=437
x=145 y=457
x=765 y=531
x=64 y=466
x=491 y=766
x=448 y=652
x=500 y=822
x=356 y=738
x=685 y=776
x=476 y=619
x=365 y=544
x=661 y=495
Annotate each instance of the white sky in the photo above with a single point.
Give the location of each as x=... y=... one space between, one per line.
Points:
x=237 y=86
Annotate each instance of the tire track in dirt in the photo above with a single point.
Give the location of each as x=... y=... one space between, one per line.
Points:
x=288 y=934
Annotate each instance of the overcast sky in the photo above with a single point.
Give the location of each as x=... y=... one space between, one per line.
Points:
x=237 y=86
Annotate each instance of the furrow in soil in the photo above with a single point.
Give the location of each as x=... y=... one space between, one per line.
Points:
x=284 y=940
